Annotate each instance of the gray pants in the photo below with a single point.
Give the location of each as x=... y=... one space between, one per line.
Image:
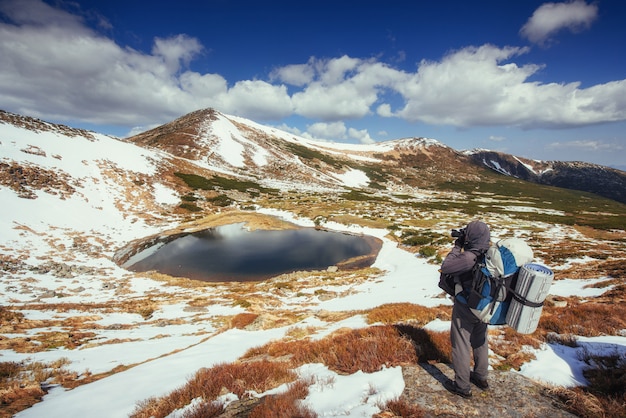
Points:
x=468 y=332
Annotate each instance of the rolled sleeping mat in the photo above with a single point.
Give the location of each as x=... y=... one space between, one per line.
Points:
x=533 y=285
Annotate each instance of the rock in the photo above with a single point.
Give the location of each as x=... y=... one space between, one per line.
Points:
x=509 y=395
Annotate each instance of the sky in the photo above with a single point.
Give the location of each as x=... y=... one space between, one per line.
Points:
x=541 y=80
x=168 y=348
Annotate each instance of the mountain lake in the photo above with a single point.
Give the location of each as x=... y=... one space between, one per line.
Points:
x=233 y=253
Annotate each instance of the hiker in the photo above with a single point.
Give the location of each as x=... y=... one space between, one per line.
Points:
x=467 y=332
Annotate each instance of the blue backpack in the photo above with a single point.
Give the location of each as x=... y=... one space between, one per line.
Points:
x=489 y=292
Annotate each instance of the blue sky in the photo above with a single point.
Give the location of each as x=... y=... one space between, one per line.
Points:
x=542 y=80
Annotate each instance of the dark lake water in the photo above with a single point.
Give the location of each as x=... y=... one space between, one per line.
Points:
x=232 y=253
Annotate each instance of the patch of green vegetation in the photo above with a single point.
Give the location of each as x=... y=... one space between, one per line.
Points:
x=413 y=238
x=190 y=207
x=428 y=251
x=311 y=154
x=561 y=206
x=221 y=200
x=284 y=285
x=402 y=196
x=202 y=183
x=360 y=196
x=190 y=197
x=374 y=173
x=242 y=302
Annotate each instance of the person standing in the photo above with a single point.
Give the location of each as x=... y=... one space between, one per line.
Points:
x=468 y=334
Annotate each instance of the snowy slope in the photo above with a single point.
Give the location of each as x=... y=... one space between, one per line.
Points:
x=96 y=193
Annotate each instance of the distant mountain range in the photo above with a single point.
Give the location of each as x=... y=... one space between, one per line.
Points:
x=593 y=178
x=232 y=146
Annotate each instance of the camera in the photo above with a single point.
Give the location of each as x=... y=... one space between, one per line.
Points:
x=456 y=233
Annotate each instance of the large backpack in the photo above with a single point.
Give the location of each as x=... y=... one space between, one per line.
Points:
x=489 y=292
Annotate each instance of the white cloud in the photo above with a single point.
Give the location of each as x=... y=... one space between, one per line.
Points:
x=54 y=66
x=295 y=75
x=384 y=110
x=496 y=138
x=37 y=13
x=176 y=49
x=478 y=87
x=361 y=135
x=587 y=145
x=334 y=130
x=550 y=18
x=255 y=99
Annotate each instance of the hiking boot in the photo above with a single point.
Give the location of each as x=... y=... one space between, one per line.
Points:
x=481 y=383
x=451 y=386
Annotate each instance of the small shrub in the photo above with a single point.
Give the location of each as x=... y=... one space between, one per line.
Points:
x=285 y=405
x=428 y=251
x=586 y=319
x=365 y=349
x=190 y=207
x=221 y=200
x=242 y=320
x=9 y=370
x=190 y=197
x=205 y=410
x=242 y=302
x=392 y=313
x=606 y=373
x=404 y=409
x=415 y=240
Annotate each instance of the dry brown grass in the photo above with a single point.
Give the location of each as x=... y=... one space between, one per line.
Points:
x=285 y=405
x=587 y=319
x=509 y=344
x=393 y=313
x=347 y=351
x=612 y=268
x=402 y=408
x=20 y=383
x=208 y=384
x=242 y=320
x=600 y=234
x=582 y=403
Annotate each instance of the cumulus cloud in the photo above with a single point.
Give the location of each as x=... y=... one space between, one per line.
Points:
x=360 y=135
x=177 y=50
x=481 y=87
x=295 y=74
x=551 y=18
x=323 y=130
x=53 y=65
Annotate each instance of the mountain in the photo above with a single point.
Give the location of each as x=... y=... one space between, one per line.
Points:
x=241 y=147
x=603 y=181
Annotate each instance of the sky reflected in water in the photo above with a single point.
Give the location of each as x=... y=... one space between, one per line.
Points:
x=232 y=253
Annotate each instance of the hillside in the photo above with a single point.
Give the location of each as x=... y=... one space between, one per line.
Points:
x=593 y=178
x=77 y=204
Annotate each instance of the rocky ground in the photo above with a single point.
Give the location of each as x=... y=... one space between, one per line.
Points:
x=509 y=395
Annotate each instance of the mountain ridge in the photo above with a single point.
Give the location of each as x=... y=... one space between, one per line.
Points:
x=576 y=175
x=236 y=146
x=177 y=137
